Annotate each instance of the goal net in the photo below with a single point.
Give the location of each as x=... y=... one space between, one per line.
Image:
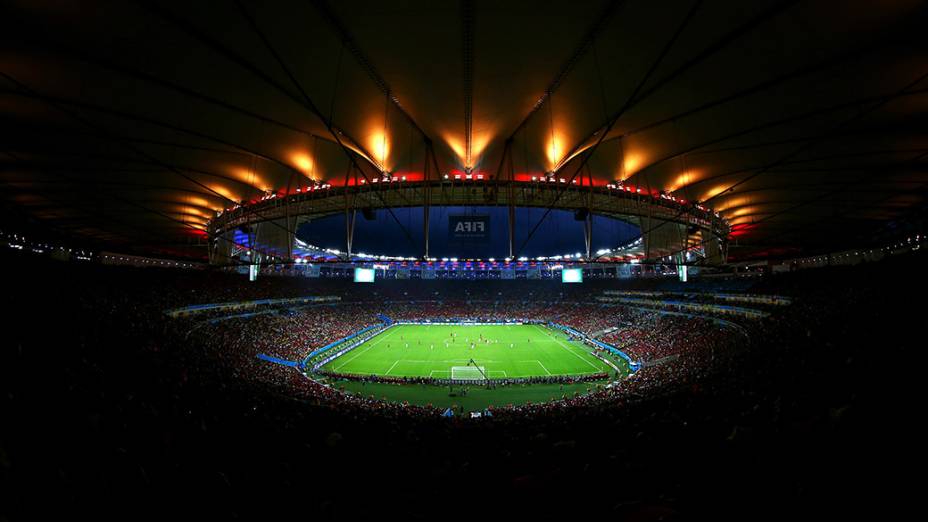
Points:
x=467 y=373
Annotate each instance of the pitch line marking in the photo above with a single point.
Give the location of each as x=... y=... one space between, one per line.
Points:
x=394 y=366
x=542 y=366
x=558 y=341
x=419 y=361
x=371 y=345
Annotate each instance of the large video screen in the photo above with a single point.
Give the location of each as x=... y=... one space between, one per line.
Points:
x=363 y=275
x=572 y=275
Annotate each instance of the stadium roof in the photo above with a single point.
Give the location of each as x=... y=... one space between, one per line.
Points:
x=132 y=123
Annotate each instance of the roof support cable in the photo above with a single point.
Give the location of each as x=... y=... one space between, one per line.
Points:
x=304 y=99
x=630 y=101
x=467 y=57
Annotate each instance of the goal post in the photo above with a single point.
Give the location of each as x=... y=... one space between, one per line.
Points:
x=471 y=372
x=468 y=373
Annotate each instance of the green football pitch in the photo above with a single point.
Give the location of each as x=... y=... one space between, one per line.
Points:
x=445 y=351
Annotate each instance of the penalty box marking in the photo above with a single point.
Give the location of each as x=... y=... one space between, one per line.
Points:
x=452 y=361
x=449 y=361
x=491 y=372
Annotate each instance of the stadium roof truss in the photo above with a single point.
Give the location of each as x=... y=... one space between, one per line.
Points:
x=668 y=227
x=136 y=124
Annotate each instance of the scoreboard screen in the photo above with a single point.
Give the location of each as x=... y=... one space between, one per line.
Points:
x=363 y=275
x=572 y=275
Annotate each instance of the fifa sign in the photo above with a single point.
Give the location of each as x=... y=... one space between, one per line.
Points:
x=469 y=229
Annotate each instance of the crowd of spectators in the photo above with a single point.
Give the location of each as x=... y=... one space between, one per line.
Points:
x=650 y=337
x=287 y=334
x=109 y=404
x=495 y=382
x=671 y=348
